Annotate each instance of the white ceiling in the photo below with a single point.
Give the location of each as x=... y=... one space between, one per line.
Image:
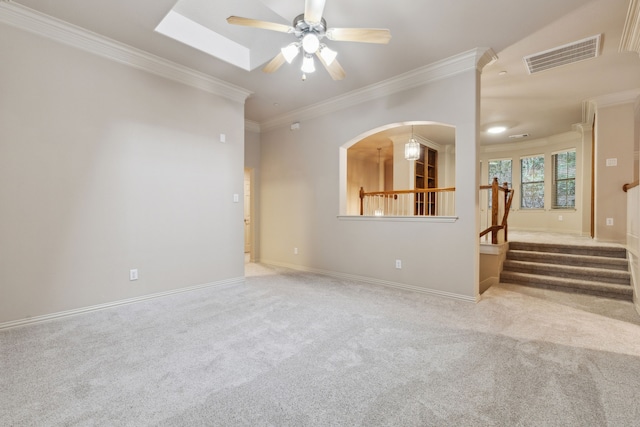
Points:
x=423 y=32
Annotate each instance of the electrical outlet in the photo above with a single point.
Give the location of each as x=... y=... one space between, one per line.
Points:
x=398 y=264
x=295 y=251
x=609 y=221
x=559 y=217
x=133 y=274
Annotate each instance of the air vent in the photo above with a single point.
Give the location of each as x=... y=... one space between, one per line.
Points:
x=567 y=54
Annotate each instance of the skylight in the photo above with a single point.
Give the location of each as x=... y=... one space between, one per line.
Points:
x=184 y=30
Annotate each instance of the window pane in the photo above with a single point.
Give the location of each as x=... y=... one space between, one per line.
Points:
x=533 y=169
x=564 y=183
x=500 y=169
x=532 y=178
x=533 y=195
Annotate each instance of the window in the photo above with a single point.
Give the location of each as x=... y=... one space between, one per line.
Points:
x=532 y=179
x=564 y=180
x=500 y=169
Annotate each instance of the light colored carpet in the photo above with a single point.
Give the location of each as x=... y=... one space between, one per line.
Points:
x=296 y=349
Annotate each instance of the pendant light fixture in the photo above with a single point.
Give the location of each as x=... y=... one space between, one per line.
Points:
x=412 y=148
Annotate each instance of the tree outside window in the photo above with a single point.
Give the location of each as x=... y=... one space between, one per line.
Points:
x=500 y=169
x=532 y=179
x=564 y=180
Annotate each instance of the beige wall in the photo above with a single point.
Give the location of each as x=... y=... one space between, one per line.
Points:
x=252 y=162
x=301 y=196
x=614 y=140
x=546 y=219
x=361 y=172
x=105 y=168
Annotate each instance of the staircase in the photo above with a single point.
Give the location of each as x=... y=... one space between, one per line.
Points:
x=596 y=270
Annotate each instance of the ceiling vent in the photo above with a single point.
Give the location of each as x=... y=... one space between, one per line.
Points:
x=567 y=54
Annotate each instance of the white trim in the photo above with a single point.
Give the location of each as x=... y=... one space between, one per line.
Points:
x=387 y=218
x=30 y=20
x=469 y=60
x=373 y=281
x=565 y=137
x=630 y=40
x=67 y=313
x=491 y=249
x=488 y=282
x=617 y=98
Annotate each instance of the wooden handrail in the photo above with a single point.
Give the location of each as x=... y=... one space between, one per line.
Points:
x=494 y=228
x=417 y=190
x=629 y=186
x=491 y=229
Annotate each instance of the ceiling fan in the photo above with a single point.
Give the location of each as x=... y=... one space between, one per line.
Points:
x=310 y=28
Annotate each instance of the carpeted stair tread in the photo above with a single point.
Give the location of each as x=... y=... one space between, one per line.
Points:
x=597 y=288
x=568 y=271
x=594 y=250
x=569 y=259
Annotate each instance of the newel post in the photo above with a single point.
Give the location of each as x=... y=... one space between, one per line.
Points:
x=494 y=210
x=507 y=206
x=361 y=201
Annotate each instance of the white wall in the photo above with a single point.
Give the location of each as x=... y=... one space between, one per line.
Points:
x=301 y=195
x=546 y=219
x=104 y=168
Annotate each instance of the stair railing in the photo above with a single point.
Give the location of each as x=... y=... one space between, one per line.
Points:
x=630 y=185
x=500 y=207
x=416 y=202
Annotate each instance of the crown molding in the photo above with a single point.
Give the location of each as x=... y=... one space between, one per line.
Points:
x=469 y=60
x=251 y=126
x=617 y=98
x=63 y=32
x=560 y=138
x=630 y=40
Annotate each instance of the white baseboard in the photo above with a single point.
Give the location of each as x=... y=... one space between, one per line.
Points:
x=487 y=283
x=374 y=281
x=47 y=317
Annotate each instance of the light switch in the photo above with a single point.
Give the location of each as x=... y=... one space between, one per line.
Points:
x=236 y=198
x=223 y=137
x=612 y=162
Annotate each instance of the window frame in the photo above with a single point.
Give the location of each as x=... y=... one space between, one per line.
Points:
x=555 y=179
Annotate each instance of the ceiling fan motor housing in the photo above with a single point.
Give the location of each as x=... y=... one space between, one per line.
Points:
x=302 y=27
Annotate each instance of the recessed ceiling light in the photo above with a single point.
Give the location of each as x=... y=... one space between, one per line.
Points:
x=518 y=136
x=496 y=129
x=502 y=73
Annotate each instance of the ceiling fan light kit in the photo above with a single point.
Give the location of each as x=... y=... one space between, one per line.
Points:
x=308 y=66
x=310 y=28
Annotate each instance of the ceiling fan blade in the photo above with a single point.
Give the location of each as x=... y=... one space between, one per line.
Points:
x=274 y=64
x=313 y=11
x=335 y=69
x=256 y=23
x=365 y=35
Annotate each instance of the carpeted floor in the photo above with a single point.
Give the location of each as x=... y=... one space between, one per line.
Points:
x=297 y=349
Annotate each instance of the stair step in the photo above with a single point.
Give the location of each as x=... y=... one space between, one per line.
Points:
x=590 y=250
x=569 y=272
x=569 y=259
x=609 y=290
